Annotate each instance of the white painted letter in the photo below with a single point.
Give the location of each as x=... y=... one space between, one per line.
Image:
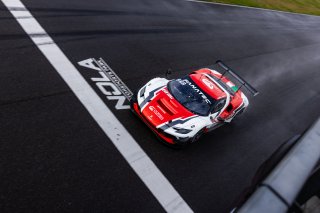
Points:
x=102 y=85
x=121 y=100
x=89 y=63
x=104 y=77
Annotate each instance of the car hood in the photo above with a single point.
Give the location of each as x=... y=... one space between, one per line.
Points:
x=163 y=108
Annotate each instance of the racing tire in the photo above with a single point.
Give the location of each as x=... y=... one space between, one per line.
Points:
x=241 y=111
x=239 y=114
x=172 y=146
x=197 y=136
x=133 y=100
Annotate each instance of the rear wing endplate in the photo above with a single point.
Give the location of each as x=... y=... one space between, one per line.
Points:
x=243 y=82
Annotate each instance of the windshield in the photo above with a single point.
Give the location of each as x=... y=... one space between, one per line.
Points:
x=186 y=92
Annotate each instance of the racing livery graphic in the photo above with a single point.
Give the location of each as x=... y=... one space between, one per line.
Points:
x=179 y=111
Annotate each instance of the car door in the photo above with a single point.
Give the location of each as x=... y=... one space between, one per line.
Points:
x=215 y=112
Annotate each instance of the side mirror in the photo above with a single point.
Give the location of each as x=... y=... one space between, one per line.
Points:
x=169 y=72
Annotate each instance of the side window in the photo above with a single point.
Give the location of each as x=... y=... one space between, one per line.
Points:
x=219 y=105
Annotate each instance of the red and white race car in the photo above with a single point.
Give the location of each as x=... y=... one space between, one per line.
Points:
x=179 y=111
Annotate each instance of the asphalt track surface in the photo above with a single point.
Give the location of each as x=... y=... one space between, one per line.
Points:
x=55 y=158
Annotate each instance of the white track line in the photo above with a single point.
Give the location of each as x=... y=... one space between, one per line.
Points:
x=248 y=7
x=127 y=146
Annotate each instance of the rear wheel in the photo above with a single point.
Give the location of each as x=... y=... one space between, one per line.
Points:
x=241 y=111
x=238 y=114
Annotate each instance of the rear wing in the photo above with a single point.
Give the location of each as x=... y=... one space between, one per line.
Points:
x=243 y=82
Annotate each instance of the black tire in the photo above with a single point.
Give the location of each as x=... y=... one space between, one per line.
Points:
x=133 y=100
x=172 y=146
x=239 y=114
x=197 y=136
x=241 y=111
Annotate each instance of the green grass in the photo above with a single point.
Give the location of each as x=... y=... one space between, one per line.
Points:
x=298 y=6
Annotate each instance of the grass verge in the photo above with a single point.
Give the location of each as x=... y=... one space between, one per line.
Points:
x=311 y=7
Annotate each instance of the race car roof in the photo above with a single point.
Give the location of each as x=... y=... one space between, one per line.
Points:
x=208 y=86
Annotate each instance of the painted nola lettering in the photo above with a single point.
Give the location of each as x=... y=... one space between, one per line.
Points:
x=108 y=82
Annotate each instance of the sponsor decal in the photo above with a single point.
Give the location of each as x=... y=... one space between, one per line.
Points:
x=156 y=112
x=195 y=88
x=208 y=83
x=108 y=82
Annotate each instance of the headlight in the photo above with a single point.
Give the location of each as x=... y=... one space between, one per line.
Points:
x=181 y=130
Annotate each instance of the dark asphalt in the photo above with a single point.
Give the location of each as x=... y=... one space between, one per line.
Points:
x=54 y=157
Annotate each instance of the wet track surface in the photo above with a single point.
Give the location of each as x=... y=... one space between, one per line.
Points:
x=55 y=158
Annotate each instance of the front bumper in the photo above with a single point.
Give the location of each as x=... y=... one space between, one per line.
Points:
x=161 y=135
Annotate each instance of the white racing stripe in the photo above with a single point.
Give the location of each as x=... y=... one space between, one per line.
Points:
x=127 y=146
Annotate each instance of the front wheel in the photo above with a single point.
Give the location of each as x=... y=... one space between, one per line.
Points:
x=133 y=100
x=197 y=136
